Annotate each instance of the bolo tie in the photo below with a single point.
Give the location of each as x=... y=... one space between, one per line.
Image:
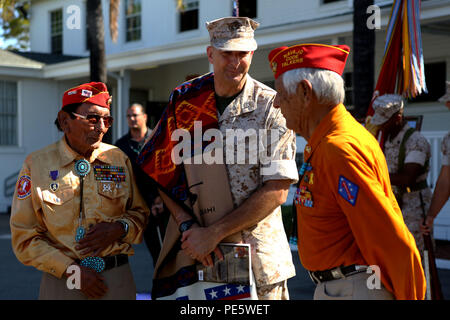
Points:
x=82 y=169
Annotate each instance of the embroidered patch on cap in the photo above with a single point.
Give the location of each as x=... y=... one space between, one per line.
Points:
x=86 y=93
x=24 y=187
x=348 y=190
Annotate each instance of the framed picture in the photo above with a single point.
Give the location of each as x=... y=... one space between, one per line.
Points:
x=415 y=121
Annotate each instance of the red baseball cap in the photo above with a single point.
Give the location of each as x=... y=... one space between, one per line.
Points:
x=309 y=55
x=93 y=92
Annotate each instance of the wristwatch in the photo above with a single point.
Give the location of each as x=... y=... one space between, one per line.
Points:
x=125 y=228
x=186 y=225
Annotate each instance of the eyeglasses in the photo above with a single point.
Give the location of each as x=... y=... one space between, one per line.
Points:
x=95 y=118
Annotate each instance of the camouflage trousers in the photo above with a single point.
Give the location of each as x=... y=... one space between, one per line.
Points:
x=413 y=216
x=276 y=291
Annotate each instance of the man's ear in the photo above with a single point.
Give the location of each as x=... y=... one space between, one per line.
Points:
x=304 y=90
x=63 y=118
x=209 y=52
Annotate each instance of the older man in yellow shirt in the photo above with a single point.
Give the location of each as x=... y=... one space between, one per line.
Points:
x=76 y=205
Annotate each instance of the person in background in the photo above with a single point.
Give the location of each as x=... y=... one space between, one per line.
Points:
x=442 y=189
x=407 y=154
x=138 y=135
x=132 y=144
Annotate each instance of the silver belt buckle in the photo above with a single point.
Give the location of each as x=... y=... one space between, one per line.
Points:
x=337 y=273
x=358 y=269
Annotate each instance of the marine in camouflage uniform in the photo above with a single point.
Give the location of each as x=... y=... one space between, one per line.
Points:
x=251 y=111
x=246 y=105
x=417 y=151
x=412 y=192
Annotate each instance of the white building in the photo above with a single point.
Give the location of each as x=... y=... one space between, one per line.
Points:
x=158 y=48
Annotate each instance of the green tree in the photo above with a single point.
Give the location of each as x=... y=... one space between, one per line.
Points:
x=15 y=24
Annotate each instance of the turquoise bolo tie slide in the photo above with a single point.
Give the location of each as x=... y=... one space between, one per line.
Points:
x=82 y=169
x=95 y=263
x=80 y=233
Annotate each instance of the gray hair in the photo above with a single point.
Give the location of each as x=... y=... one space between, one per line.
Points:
x=327 y=85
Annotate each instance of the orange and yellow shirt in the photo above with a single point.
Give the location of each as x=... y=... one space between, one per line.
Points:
x=347 y=213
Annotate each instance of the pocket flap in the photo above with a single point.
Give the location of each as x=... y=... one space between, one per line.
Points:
x=58 y=198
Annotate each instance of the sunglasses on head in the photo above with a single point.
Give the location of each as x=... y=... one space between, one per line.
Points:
x=95 y=118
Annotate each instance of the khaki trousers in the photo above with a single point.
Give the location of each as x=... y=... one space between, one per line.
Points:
x=353 y=287
x=119 y=281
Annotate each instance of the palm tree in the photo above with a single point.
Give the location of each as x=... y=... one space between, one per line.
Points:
x=96 y=41
x=96 y=36
x=363 y=58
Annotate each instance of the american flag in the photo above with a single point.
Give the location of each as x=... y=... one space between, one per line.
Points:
x=235 y=8
x=228 y=292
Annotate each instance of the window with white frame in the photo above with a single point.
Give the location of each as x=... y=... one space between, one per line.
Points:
x=56 y=31
x=8 y=113
x=188 y=16
x=133 y=17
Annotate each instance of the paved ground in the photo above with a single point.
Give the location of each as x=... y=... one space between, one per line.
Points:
x=19 y=282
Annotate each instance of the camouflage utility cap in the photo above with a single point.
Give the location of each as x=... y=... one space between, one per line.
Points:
x=233 y=33
x=385 y=107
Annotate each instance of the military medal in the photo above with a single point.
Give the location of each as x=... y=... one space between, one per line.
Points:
x=82 y=169
x=54 y=186
x=306 y=166
x=107 y=187
x=54 y=174
x=304 y=197
x=109 y=173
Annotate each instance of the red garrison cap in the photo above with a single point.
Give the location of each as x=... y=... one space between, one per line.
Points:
x=93 y=92
x=310 y=55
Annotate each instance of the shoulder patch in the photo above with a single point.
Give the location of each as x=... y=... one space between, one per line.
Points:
x=23 y=187
x=348 y=190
